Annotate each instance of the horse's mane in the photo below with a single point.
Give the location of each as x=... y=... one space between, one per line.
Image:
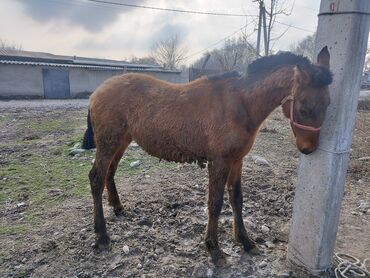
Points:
x=320 y=76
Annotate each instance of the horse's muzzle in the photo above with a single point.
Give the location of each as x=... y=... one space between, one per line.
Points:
x=306 y=151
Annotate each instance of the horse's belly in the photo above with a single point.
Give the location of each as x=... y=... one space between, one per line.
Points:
x=170 y=151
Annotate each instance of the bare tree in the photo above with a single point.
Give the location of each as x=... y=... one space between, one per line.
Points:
x=168 y=52
x=9 y=46
x=147 y=60
x=274 y=9
x=305 y=47
x=235 y=54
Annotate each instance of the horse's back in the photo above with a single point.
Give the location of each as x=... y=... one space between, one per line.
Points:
x=171 y=121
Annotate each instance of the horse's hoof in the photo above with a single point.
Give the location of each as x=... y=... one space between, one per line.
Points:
x=249 y=245
x=219 y=257
x=255 y=251
x=118 y=211
x=102 y=243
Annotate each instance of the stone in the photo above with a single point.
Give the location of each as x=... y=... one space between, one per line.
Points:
x=21 y=205
x=18 y=266
x=364 y=206
x=270 y=245
x=365 y=158
x=126 y=249
x=209 y=272
x=265 y=229
x=263 y=264
x=134 y=145
x=74 y=152
x=77 y=145
x=135 y=164
x=261 y=161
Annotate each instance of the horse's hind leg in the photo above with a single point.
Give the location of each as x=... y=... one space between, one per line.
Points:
x=236 y=200
x=97 y=177
x=218 y=172
x=113 y=197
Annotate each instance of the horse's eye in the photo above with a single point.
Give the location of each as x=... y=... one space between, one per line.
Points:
x=304 y=111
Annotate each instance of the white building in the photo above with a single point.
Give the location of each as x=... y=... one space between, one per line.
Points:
x=25 y=74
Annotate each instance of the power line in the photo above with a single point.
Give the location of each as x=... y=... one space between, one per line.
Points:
x=168 y=10
x=214 y=44
x=295 y=27
x=191 y=12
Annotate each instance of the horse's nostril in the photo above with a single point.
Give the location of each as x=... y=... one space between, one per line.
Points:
x=306 y=151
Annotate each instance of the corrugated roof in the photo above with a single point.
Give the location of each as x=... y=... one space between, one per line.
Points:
x=8 y=56
x=29 y=63
x=31 y=54
x=133 y=67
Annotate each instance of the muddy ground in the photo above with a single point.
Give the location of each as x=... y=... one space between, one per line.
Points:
x=46 y=207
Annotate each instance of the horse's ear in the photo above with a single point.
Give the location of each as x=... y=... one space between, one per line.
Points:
x=324 y=57
x=300 y=76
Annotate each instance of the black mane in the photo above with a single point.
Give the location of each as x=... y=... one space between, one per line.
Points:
x=320 y=76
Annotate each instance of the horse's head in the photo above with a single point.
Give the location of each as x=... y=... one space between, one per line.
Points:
x=306 y=105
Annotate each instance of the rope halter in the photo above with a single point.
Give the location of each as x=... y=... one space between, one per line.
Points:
x=290 y=98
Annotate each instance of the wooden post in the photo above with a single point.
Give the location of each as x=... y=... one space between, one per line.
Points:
x=344 y=28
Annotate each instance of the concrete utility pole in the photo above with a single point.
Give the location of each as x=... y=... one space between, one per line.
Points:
x=259 y=27
x=344 y=28
x=262 y=24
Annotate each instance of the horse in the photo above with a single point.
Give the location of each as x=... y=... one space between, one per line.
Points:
x=212 y=121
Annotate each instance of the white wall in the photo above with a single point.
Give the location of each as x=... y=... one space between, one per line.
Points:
x=17 y=81
x=84 y=81
x=21 y=81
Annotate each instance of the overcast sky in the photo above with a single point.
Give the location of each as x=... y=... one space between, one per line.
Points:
x=83 y=28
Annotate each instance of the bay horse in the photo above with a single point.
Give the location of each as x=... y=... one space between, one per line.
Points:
x=211 y=120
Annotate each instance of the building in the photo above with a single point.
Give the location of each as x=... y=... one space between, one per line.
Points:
x=25 y=74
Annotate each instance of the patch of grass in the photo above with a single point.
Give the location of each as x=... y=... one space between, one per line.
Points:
x=40 y=175
x=3 y=118
x=57 y=125
x=43 y=181
x=13 y=229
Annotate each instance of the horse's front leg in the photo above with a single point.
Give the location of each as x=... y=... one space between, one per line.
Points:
x=218 y=172
x=236 y=200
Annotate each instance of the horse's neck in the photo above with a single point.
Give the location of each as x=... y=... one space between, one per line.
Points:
x=268 y=94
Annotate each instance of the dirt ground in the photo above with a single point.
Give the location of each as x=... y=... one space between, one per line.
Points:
x=46 y=207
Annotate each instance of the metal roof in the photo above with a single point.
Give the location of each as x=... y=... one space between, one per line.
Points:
x=20 y=57
x=30 y=63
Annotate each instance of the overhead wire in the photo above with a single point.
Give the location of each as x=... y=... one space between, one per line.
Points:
x=192 y=12
x=102 y=3
x=216 y=43
x=168 y=9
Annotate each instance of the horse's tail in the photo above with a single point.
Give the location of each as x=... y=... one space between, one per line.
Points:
x=88 y=141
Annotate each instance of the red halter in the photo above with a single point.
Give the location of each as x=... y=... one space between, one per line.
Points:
x=291 y=119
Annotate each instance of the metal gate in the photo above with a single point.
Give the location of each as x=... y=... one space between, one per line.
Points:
x=56 y=83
